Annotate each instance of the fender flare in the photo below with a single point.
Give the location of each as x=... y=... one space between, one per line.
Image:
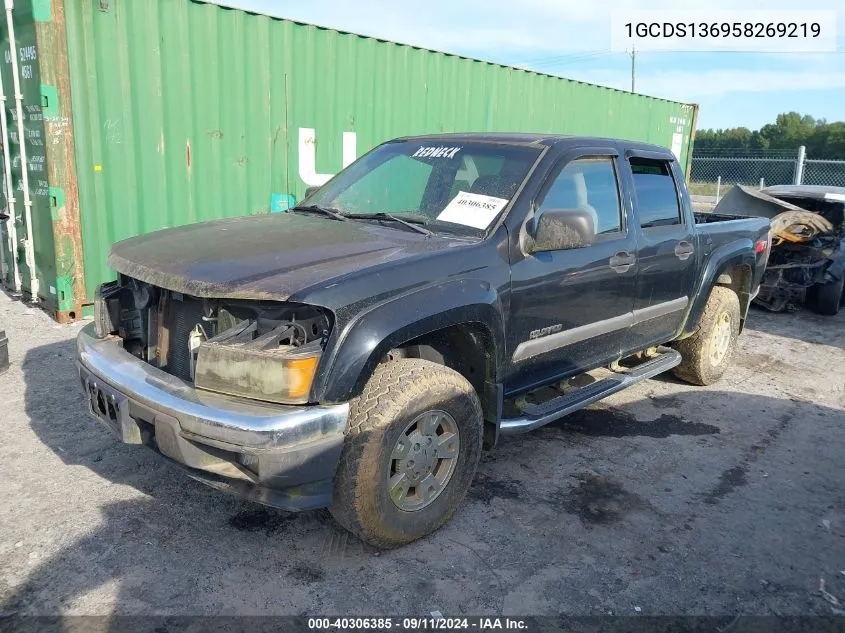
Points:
x=368 y=337
x=737 y=253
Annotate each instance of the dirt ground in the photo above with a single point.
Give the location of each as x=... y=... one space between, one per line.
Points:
x=666 y=498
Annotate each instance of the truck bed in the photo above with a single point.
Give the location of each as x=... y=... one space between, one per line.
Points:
x=736 y=225
x=722 y=228
x=707 y=217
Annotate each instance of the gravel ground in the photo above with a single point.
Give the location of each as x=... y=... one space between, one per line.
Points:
x=667 y=498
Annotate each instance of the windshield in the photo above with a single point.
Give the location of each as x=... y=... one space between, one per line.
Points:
x=452 y=186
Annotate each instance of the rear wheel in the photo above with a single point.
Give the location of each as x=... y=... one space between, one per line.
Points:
x=707 y=353
x=410 y=454
x=827 y=298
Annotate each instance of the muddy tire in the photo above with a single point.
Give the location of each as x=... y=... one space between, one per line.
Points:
x=708 y=352
x=827 y=298
x=410 y=453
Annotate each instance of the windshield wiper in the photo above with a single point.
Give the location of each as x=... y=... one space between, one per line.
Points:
x=332 y=213
x=383 y=215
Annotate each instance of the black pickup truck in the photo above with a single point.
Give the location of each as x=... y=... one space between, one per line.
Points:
x=360 y=350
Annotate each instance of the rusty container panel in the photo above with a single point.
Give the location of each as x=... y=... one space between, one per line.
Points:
x=41 y=49
x=186 y=111
x=39 y=270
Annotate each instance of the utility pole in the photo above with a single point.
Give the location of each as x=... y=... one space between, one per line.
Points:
x=633 y=66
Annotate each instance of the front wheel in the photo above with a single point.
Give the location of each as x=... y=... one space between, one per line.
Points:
x=707 y=353
x=410 y=453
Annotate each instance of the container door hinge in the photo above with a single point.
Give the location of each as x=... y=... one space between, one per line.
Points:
x=57 y=202
x=64 y=293
x=42 y=10
x=28 y=257
x=49 y=101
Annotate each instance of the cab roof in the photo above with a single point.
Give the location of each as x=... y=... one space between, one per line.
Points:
x=542 y=140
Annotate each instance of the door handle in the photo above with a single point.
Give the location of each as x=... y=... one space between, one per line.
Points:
x=622 y=261
x=683 y=250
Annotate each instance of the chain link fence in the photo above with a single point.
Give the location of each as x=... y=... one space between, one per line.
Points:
x=714 y=172
x=824 y=172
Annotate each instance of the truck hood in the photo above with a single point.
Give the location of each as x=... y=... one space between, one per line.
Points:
x=268 y=257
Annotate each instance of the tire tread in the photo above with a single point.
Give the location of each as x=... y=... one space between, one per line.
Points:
x=392 y=384
x=695 y=367
x=827 y=298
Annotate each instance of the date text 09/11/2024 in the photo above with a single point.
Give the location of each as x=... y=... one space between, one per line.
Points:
x=416 y=624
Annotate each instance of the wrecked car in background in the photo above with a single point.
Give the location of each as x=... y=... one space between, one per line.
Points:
x=807 y=260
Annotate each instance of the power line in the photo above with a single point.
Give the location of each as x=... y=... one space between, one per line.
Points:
x=564 y=59
x=543 y=60
x=551 y=67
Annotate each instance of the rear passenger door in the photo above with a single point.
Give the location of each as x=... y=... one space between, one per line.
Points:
x=666 y=250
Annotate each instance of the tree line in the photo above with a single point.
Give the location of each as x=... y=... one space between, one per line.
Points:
x=790 y=130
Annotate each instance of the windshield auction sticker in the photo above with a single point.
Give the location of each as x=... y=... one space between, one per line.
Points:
x=472 y=209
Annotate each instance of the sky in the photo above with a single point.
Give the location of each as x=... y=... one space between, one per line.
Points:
x=571 y=38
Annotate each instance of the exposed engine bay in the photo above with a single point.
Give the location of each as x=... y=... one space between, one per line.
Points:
x=808 y=240
x=225 y=345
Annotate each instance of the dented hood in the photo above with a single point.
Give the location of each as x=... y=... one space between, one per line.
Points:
x=750 y=202
x=262 y=257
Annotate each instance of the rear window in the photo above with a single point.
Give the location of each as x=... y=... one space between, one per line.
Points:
x=657 y=196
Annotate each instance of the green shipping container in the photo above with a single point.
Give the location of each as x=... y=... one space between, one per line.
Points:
x=145 y=114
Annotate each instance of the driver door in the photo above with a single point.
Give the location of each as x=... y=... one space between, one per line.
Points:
x=571 y=309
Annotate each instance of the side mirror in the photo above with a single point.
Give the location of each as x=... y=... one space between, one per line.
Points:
x=558 y=229
x=4 y=217
x=311 y=190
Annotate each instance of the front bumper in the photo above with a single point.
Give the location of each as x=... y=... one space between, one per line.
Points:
x=283 y=456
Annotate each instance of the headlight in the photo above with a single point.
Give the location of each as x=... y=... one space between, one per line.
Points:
x=272 y=366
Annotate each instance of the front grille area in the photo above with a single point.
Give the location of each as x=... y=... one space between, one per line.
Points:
x=183 y=314
x=156 y=324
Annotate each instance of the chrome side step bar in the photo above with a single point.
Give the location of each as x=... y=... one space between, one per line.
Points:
x=535 y=416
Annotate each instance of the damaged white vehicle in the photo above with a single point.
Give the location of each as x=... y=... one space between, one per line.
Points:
x=807 y=260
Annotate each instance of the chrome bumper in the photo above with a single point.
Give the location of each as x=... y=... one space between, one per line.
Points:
x=279 y=455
